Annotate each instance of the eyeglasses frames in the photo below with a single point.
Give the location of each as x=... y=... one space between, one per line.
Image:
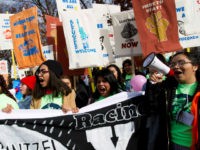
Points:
x=42 y=72
x=180 y=63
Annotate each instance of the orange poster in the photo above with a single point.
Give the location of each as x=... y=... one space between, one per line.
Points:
x=157 y=25
x=26 y=38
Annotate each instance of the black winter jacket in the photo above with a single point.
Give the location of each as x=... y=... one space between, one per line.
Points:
x=160 y=98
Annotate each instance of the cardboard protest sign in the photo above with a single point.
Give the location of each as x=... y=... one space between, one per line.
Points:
x=192 y=14
x=103 y=12
x=104 y=21
x=26 y=38
x=48 y=52
x=82 y=38
x=5 y=55
x=55 y=36
x=107 y=52
x=186 y=40
x=126 y=36
x=64 y=5
x=3 y=67
x=5 y=32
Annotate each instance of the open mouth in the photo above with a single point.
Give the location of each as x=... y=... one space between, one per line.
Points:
x=102 y=89
x=41 y=80
x=177 y=72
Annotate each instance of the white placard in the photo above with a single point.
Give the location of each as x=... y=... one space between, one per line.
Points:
x=5 y=32
x=126 y=35
x=82 y=38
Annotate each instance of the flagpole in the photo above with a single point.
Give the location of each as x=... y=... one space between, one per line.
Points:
x=91 y=80
x=14 y=65
x=133 y=65
x=13 y=61
x=188 y=50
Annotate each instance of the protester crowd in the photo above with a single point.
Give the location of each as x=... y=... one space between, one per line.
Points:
x=172 y=99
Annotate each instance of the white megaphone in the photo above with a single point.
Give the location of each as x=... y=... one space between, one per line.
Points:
x=151 y=61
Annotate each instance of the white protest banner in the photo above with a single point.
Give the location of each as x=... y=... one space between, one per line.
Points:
x=116 y=123
x=192 y=40
x=3 y=67
x=103 y=12
x=126 y=34
x=48 y=52
x=104 y=20
x=191 y=18
x=82 y=38
x=64 y=5
x=106 y=47
x=5 y=32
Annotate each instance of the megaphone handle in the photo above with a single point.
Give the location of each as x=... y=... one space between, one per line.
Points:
x=152 y=82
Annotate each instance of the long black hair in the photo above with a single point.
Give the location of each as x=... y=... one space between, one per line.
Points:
x=119 y=74
x=55 y=85
x=110 y=78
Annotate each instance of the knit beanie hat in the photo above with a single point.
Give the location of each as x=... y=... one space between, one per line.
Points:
x=54 y=66
x=29 y=81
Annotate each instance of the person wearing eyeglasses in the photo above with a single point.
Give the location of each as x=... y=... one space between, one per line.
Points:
x=174 y=109
x=50 y=91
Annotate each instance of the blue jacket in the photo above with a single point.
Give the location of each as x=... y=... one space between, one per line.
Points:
x=25 y=103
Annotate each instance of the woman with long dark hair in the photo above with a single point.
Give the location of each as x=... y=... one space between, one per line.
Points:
x=106 y=85
x=50 y=91
x=118 y=75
